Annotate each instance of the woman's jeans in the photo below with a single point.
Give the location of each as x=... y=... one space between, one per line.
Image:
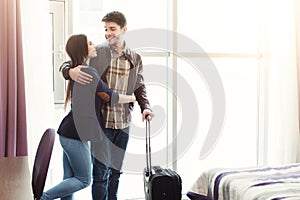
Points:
x=107 y=157
x=77 y=169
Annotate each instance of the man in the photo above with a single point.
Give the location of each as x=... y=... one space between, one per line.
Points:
x=121 y=68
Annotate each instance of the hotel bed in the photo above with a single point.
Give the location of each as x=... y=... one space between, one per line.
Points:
x=256 y=183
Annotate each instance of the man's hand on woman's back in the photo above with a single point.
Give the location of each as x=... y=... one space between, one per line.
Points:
x=79 y=76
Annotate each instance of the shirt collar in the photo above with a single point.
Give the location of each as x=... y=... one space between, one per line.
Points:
x=114 y=49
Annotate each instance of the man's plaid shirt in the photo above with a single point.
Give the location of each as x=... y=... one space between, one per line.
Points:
x=117 y=79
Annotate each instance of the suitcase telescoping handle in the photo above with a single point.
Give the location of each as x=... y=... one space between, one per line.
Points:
x=148 y=147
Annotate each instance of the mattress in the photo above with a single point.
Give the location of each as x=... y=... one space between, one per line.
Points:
x=254 y=183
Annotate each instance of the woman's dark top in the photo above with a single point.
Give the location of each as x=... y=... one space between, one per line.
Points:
x=84 y=120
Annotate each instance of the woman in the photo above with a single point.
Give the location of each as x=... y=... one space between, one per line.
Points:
x=73 y=135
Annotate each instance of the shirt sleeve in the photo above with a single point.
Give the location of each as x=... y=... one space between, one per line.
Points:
x=64 y=69
x=103 y=88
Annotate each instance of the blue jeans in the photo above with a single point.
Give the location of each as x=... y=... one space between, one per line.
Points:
x=77 y=170
x=107 y=158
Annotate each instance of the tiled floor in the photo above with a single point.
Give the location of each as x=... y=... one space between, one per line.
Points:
x=184 y=197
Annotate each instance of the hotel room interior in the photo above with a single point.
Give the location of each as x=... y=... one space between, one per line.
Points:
x=222 y=78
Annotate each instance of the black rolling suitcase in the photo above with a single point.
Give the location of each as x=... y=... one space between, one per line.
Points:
x=159 y=183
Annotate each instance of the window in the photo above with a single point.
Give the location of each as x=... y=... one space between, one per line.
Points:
x=57 y=18
x=228 y=32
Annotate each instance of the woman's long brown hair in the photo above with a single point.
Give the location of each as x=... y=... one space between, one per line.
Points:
x=77 y=50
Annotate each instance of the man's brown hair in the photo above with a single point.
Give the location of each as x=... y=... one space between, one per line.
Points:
x=115 y=16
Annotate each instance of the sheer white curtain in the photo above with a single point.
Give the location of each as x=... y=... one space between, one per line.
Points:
x=38 y=70
x=297 y=7
x=279 y=60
